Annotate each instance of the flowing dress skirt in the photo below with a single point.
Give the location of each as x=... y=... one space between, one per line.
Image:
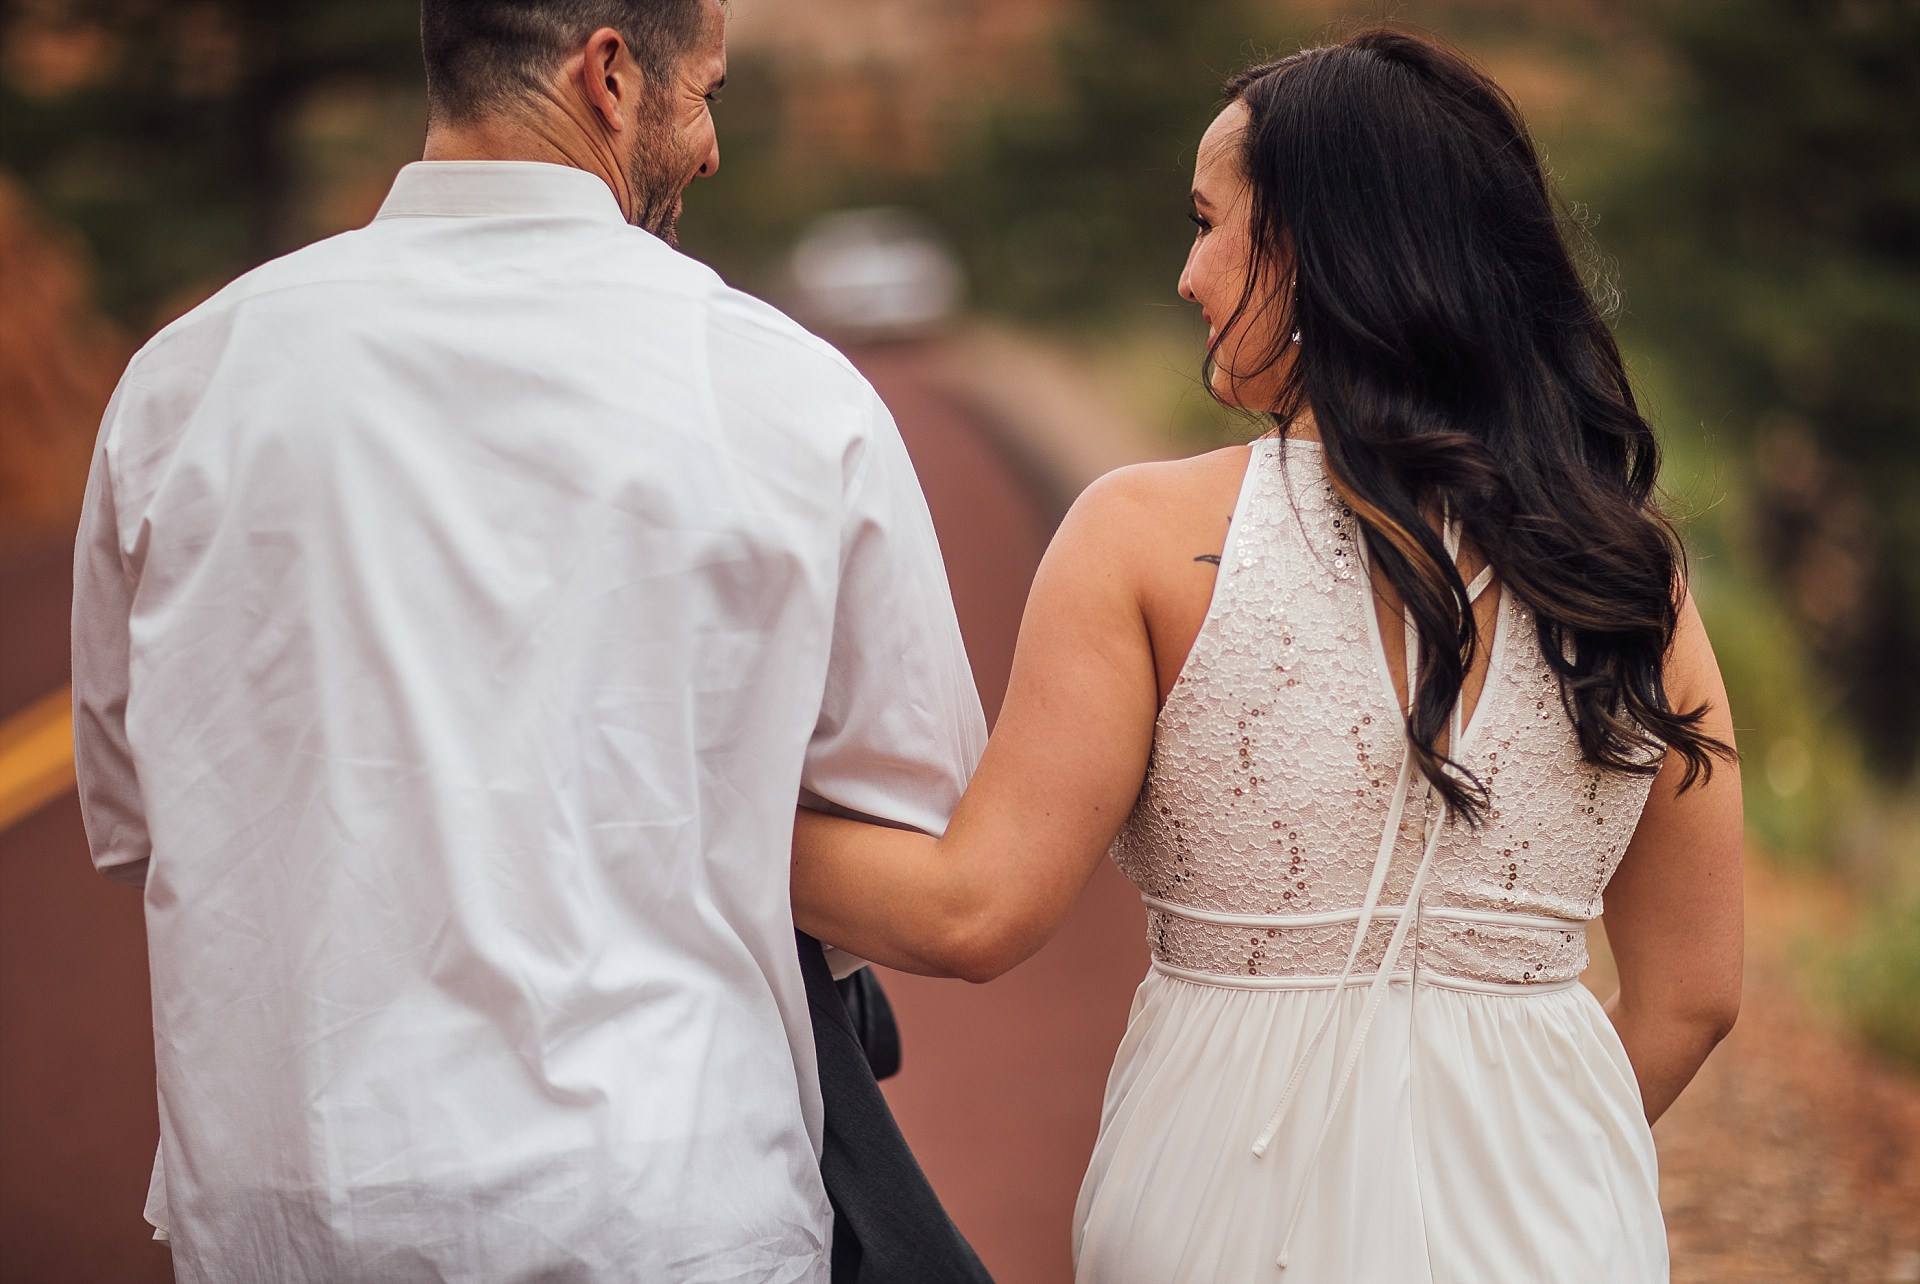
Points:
x=1485 y=1138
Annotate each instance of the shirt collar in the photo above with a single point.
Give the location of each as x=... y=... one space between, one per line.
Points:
x=476 y=189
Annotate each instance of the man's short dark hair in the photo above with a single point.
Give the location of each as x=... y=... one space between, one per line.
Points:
x=486 y=56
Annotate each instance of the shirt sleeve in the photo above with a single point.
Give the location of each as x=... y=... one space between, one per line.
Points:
x=900 y=728
x=103 y=587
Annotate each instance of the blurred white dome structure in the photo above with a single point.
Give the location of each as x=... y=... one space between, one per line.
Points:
x=875 y=274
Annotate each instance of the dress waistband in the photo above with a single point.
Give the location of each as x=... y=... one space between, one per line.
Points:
x=1470 y=985
x=1493 y=918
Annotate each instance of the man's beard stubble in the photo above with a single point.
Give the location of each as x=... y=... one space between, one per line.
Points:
x=658 y=177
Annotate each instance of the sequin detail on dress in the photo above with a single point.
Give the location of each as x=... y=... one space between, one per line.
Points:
x=1277 y=752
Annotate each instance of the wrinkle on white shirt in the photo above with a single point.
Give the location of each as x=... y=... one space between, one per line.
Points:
x=461 y=604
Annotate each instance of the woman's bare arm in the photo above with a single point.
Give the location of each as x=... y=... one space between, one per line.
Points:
x=1060 y=774
x=1674 y=915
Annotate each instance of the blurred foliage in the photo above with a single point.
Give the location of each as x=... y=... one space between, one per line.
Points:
x=168 y=131
x=1075 y=204
x=1879 y=977
x=1771 y=243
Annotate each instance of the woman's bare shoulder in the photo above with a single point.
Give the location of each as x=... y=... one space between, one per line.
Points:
x=1157 y=530
x=1167 y=495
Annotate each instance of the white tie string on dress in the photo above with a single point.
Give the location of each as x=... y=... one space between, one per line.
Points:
x=1409 y=913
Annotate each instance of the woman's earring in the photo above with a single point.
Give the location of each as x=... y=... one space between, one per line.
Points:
x=1296 y=336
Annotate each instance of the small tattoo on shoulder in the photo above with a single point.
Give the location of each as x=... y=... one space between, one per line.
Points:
x=1212 y=559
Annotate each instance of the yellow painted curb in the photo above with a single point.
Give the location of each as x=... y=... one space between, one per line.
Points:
x=36 y=756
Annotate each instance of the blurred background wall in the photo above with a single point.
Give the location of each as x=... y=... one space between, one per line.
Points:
x=1745 y=175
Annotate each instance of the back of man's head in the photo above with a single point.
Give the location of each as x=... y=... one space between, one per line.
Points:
x=487 y=57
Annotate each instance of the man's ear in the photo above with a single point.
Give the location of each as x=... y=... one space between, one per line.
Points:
x=609 y=78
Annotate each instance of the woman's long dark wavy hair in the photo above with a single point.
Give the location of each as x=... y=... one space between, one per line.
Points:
x=1454 y=360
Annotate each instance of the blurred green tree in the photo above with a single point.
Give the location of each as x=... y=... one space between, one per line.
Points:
x=1772 y=250
x=1072 y=202
x=166 y=131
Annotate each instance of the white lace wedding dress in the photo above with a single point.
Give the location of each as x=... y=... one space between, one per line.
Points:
x=1362 y=1053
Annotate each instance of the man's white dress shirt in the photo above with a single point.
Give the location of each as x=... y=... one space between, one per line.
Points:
x=461 y=605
